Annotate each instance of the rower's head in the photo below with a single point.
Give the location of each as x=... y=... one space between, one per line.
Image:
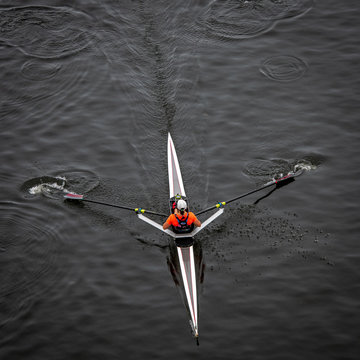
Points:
x=181 y=206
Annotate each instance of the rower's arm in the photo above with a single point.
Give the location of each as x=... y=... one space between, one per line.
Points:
x=166 y=225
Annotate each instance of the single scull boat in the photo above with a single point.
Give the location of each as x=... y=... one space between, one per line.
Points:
x=184 y=241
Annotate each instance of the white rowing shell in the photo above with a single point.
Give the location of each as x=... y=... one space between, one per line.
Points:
x=187 y=265
x=185 y=254
x=176 y=185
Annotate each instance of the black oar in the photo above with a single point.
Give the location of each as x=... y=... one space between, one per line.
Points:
x=278 y=182
x=78 y=197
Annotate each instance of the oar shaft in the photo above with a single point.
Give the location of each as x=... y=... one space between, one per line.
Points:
x=250 y=192
x=77 y=197
x=278 y=182
x=234 y=199
x=107 y=204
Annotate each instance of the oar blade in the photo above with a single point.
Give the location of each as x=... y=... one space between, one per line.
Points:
x=288 y=178
x=74 y=196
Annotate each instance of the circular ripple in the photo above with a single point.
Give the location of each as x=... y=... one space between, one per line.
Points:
x=265 y=170
x=283 y=68
x=236 y=29
x=38 y=70
x=33 y=259
x=79 y=181
x=280 y=9
x=242 y=19
x=233 y=20
x=72 y=78
x=44 y=31
x=26 y=247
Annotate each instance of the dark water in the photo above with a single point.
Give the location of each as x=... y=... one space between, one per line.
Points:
x=248 y=89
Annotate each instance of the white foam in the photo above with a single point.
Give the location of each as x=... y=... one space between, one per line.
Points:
x=305 y=165
x=47 y=187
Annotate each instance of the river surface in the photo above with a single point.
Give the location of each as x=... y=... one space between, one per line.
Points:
x=249 y=90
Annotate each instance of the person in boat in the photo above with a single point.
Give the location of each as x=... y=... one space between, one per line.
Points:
x=181 y=220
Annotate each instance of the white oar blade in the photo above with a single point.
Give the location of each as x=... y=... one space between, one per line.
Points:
x=156 y=225
x=74 y=196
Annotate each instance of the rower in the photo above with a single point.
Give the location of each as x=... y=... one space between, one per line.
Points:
x=182 y=221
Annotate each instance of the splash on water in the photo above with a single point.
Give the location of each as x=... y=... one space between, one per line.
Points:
x=266 y=170
x=48 y=187
x=54 y=186
x=305 y=165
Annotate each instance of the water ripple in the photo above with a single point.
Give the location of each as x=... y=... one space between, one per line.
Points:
x=44 y=31
x=284 y=68
x=65 y=81
x=39 y=70
x=280 y=9
x=29 y=246
x=233 y=20
x=245 y=19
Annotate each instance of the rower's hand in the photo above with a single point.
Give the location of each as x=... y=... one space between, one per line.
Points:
x=166 y=225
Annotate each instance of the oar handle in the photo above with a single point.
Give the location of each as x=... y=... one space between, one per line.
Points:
x=217 y=206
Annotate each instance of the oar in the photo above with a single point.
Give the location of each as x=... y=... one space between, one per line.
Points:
x=278 y=182
x=78 y=197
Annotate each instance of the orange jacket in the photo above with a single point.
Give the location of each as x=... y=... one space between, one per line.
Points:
x=171 y=220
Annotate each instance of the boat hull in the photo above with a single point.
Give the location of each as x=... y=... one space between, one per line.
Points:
x=184 y=242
